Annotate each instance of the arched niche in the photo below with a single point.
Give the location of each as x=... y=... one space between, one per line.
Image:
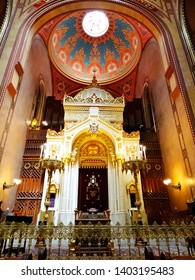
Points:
x=97 y=149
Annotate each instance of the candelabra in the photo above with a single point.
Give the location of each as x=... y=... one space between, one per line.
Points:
x=51 y=165
x=135 y=163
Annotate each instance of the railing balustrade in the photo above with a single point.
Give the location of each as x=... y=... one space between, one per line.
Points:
x=95 y=241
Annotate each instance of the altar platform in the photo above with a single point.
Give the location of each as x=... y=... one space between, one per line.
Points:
x=92 y=216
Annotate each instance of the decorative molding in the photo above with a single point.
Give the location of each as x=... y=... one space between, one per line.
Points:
x=11 y=89
x=134 y=134
x=158 y=7
x=54 y=133
x=93 y=99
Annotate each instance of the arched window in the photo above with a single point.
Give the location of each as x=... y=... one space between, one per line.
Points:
x=186 y=14
x=5 y=14
x=39 y=103
x=148 y=109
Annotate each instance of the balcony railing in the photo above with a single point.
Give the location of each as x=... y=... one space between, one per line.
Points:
x=18 y=241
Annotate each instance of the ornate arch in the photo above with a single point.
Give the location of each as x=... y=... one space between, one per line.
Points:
x=36 y=19
x=94 y=150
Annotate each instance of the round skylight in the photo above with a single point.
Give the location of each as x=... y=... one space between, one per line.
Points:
x=95 y=23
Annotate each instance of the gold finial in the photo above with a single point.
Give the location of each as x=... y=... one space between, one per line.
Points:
x=94 y=80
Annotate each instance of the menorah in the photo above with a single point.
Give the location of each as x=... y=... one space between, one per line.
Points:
x=51 y=164
x=135 y=163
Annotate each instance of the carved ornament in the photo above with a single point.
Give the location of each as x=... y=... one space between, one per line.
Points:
x=133 y=134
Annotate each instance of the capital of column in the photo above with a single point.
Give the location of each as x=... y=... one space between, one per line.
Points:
x=119 y=159
x=67 y=158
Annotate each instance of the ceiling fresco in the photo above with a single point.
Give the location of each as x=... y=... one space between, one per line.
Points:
x=76 y=56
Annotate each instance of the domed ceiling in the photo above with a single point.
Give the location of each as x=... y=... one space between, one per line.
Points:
x=77 y=54
x=110 y=56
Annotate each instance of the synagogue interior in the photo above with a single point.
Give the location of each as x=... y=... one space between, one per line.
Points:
x=97 y=129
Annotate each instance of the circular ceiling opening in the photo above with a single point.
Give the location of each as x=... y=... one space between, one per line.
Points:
x=95 y=23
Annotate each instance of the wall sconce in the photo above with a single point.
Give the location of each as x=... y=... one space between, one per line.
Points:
x=16 y=182
x=34 y=124
x=168 y=183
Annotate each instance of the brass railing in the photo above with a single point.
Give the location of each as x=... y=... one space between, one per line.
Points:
x=95 y=241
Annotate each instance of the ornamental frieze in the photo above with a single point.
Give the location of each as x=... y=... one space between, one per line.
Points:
x=93 y=99
x=51 y=132
x=133 y=134
x=159 y=7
